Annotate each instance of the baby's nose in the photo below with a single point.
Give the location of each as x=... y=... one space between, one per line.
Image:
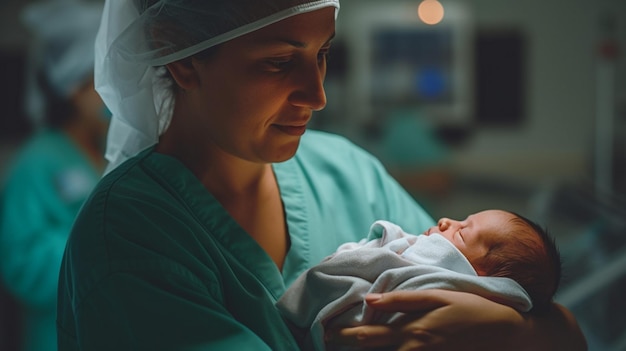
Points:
x=443 y=224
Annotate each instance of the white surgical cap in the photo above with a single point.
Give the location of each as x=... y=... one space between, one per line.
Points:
x=138 y=36
x=62 y=49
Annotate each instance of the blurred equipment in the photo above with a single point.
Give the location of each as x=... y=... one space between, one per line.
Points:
x=500 y=91
x=398 y=61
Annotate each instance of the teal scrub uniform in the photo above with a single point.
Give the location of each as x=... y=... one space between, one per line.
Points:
x=154 y=262
x=48 y=182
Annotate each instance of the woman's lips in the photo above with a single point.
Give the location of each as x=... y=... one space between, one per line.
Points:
x=292 y=130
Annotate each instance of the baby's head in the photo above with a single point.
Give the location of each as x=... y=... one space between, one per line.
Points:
x=503 y=244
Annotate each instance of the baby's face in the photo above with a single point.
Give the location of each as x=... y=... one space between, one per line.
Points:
x=473 y=235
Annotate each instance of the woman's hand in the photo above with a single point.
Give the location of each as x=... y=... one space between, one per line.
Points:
x=449 y=320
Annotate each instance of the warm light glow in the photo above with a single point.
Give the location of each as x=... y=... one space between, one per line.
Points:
x=430 y=11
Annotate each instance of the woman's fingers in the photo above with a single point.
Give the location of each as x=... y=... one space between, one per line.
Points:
x=399 y=335
x=384 y=337
x=367 y=336
x=410 y=301
x=431 y=320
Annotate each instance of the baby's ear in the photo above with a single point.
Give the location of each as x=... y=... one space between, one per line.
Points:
x=478 y=265
x=480 y=272
x=184 y=73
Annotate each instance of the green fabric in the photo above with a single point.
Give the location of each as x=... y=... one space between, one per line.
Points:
x=155 y=263
x=47 y=183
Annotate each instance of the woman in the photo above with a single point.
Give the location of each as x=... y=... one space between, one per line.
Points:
x=217 y=199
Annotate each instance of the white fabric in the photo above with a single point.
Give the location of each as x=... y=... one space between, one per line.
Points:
x=133 y=41
x=62 y=49
x=332 y=293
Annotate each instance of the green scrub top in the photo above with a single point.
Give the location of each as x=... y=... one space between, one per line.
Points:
x=154 y=262
x=48 y=182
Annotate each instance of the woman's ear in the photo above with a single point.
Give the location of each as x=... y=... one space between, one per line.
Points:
x=184 y=73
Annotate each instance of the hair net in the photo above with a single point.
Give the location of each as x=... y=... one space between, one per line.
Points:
x=138 y=36
x=62 y=49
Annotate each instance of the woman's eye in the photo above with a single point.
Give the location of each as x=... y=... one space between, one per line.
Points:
x=279 y=64
x=323 y=55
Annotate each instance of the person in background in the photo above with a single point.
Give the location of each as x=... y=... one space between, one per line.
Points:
x=217 y=197
x=496 y=254
x=54 y=171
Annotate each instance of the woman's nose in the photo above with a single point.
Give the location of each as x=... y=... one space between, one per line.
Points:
x=310 y=91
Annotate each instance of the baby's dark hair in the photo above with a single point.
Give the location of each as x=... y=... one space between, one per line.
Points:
x=530 y=257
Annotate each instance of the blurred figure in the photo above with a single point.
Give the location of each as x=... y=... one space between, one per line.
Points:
x=57 y=168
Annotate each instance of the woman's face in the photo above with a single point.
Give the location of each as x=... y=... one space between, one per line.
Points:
x=258 y=91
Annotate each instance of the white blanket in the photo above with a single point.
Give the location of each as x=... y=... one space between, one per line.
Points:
x=332 y=293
